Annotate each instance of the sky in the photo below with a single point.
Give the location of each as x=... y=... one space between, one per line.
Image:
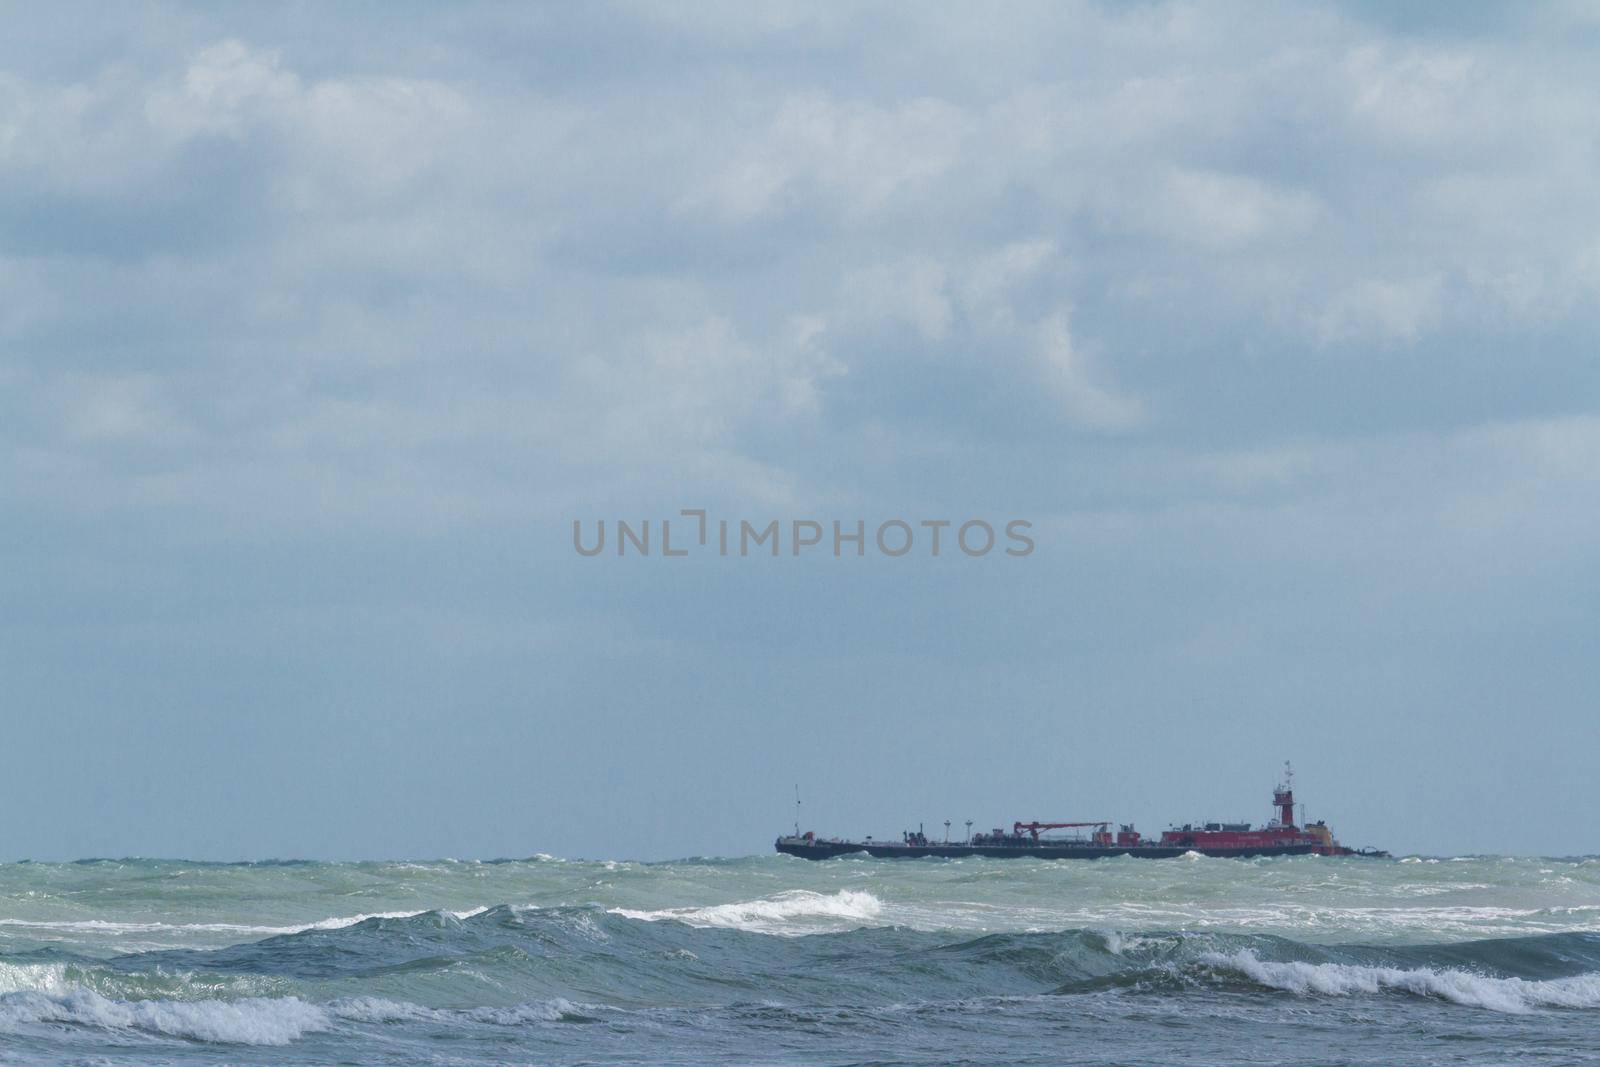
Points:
x=321 y=325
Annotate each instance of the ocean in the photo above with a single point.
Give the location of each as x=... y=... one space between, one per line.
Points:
x=771 y=959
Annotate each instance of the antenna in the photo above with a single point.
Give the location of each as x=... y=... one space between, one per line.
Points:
x=797 y=809
x=1288 y=774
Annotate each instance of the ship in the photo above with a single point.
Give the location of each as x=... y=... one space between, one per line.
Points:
x=1280 y=836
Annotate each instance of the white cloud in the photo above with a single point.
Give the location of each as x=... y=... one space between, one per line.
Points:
x=856 y=154
x=1084 y=396
x=987 y=290
x=1383 y=311
x=226 y=87
x=1221 y=210
x=914 y=291
x=122 y=410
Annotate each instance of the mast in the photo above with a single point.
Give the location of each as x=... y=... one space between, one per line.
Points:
x=797 y=809
x=1283 y=797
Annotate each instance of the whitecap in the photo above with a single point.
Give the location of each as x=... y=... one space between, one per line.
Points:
x=32 y=977
x=798 y=911
x=117 y=929
x=379 y=1010
x=251 y=1021
x=1512 y=995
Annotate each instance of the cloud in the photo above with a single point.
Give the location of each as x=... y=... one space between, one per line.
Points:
x=1066 y=372
x=226 y=88
x=296 y=261
x=1221 y=210
x=854 y=154
x=914 y=291
x=1383 y=311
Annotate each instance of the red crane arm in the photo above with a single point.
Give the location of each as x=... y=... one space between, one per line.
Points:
x=1034 y=827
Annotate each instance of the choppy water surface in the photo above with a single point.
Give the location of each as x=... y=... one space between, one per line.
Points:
x=773 y=959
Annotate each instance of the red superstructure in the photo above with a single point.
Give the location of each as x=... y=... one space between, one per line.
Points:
x=1279 y=833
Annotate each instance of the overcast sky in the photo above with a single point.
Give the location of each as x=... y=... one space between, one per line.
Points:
x=319 y=326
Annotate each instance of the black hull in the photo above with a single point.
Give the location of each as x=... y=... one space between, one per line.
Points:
x=822 y=850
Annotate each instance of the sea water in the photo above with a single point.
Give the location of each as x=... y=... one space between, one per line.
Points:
x=778 y=960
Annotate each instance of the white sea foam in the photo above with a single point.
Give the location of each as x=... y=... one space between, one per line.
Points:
x=1118 y=941
x=116 y=929
x=809 y=912
x=32 y=977
x=252 y=1021
x=1514 y=995
x=339 y=922
x=382 y=1010
x=246 y=1021
x=798 y=911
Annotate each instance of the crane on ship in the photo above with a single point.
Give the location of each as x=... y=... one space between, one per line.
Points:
x=1102 y=828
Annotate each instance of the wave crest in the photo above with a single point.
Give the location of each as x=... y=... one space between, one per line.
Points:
x=798 y=911
x=382 y=1010
x=1511 y=995
x=252 y=1021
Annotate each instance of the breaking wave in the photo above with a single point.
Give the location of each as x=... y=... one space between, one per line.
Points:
x=114 y=929
x=381 y=1010
x=1513 y=995
x=794 y=912
x=252 y=1021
